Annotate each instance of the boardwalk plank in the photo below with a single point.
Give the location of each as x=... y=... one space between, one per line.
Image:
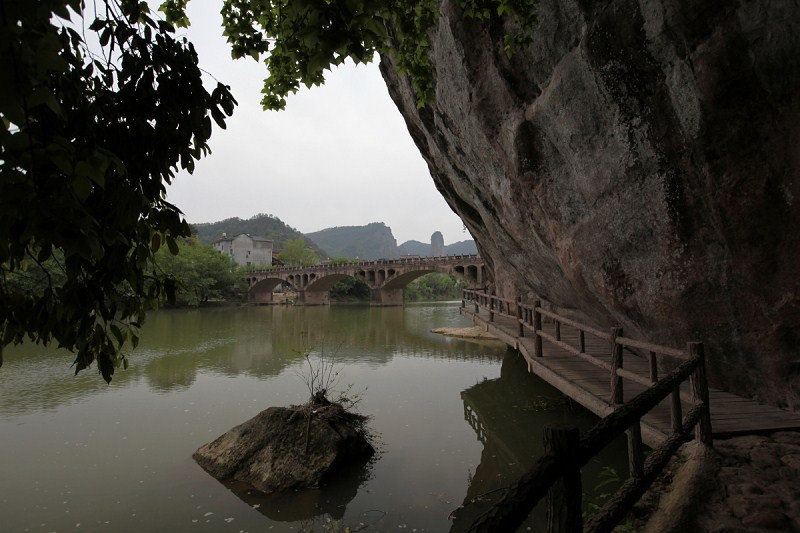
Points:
x=590 y=385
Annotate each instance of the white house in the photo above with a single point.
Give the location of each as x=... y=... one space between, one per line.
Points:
x=246 y=249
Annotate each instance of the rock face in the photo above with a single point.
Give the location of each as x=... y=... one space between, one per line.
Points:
x=286 y=448
x=437 y=244
x=638 y=164
x=757 y=487
x=372 y=241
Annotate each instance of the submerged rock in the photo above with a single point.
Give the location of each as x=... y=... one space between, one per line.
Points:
x=465 y=333
x=287 y=448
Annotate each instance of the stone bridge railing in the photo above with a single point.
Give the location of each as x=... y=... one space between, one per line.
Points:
x=385 y=277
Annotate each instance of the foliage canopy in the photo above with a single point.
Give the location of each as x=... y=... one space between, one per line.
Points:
x=262 y=224
x=434 y=286
x=300 y=39
x=200 y=272
x=297 y=254
x=89 y=137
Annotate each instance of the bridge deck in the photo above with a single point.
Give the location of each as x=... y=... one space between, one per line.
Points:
x=589 y=385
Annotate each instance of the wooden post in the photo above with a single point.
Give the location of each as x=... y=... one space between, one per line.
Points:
x=653 y=367
x=564 y=512
x=558 y=330
x=491 y=308
x=617 y=396
x=635 y=451
x=581 y=341
x=537 y=326
x=676 y=417
x=699 y=391
x=519 y=317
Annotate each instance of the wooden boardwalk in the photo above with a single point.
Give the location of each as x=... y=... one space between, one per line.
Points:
x=589 y=384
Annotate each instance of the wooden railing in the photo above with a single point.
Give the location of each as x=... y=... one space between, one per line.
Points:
x=557 y=473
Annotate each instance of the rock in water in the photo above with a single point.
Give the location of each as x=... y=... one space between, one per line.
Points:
x=637 y=165
x=287 y=448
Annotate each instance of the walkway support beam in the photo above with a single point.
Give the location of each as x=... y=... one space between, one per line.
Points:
x=564 y=501
x=537 y=328
x=699 y=390
x=617 y=396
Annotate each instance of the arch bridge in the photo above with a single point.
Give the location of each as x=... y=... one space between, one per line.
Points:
x=385 y=277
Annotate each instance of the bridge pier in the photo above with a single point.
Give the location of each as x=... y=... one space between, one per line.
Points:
x=386 y=297
x=313 y=297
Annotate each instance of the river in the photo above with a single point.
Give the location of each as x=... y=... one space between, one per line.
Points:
x=455 y=419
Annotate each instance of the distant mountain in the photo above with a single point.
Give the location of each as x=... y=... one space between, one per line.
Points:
x=373 y=241
x=261 y=225
x=424 y=250
x=461 y=248
x=415 y=248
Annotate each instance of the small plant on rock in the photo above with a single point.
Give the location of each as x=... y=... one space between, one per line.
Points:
x=322 y=378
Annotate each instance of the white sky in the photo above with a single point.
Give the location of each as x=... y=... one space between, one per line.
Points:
x=339 y=155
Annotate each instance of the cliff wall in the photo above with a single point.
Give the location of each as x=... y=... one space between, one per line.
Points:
x=638 y=165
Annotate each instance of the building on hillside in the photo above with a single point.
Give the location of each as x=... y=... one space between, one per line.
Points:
x=245 y=249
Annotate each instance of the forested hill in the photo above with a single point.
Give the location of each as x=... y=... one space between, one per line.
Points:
x=467 y=247
x=373 y=241
x=376 y=241
x=423 y=249
x=262 y=225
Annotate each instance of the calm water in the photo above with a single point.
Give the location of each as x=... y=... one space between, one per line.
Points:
x=456 y=419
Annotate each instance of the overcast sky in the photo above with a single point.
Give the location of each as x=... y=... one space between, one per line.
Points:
x=339 y=155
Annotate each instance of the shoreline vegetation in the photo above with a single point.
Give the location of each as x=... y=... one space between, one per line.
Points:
x=202 y=277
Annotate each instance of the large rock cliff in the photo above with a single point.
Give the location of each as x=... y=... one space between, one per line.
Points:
x=638 y=164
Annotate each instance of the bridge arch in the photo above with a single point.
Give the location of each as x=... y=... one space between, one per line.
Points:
x=405 y=278
x=401 y=280
x=261 y=291
x=472 y=274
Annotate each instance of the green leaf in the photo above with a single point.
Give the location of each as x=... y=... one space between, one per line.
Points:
x=218 y=117
x=82 y=187
x=173 y=246
x=117 y=334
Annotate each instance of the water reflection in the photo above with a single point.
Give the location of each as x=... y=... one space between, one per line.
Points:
x=121 y=454
x=261 y=342
x=507 y=415
x=329 y=500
